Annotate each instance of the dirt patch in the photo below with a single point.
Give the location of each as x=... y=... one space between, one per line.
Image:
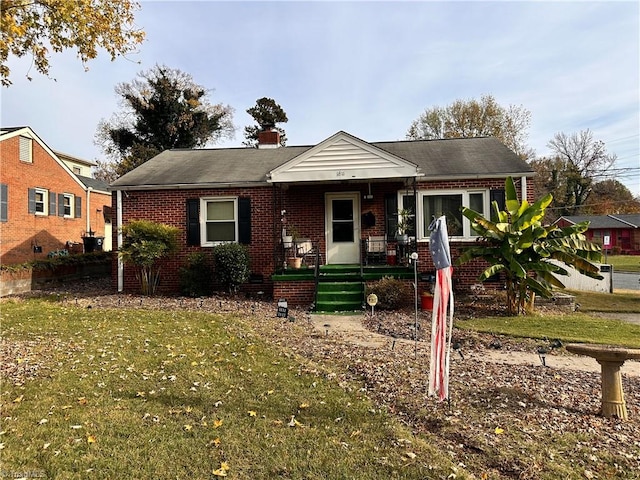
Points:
x=357 y=329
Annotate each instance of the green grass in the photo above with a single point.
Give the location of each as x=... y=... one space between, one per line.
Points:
x=624 y=263
x=177 y=394
x=606 y=302
x=579 y=328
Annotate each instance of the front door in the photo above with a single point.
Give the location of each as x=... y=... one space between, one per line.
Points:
x=342 y=227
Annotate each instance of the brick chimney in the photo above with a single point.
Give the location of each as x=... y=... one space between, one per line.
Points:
x=268 y=137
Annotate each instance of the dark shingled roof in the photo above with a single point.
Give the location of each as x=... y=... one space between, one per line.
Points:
x=628 y=220
x=464 y=157
x=94 y=183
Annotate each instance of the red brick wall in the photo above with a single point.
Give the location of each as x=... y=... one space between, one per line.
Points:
x=169 y=207
x=24 y=230
x=305 y=208
x=296 y=293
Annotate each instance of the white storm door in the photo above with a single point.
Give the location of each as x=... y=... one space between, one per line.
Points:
x=342 y=227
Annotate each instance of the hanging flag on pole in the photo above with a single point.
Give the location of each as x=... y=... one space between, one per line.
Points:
x=442 y=315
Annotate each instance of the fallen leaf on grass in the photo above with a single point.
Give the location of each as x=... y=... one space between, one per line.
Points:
x=222 y=471
x=252 y=413
x=294 y=423
x=217 y=423
x=91 y=439
x=499 y=431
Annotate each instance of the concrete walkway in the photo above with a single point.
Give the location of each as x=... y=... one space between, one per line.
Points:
x=349 y=328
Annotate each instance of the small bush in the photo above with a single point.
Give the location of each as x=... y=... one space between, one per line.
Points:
x=231 y=265
x=392 y=294
x=196 y=276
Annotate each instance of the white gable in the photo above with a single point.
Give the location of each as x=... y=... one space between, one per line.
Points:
x=343 y=157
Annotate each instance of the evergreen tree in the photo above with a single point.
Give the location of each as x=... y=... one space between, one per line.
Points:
x=267 y=114
x=163 y=108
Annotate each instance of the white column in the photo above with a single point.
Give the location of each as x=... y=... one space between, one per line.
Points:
x=119 y=241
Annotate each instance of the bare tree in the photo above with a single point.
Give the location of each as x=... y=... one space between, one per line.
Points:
x=584 y=159
x=476 y=118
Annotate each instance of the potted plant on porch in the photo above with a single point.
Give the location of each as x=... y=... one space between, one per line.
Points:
x=293 y=261
x=404 y=224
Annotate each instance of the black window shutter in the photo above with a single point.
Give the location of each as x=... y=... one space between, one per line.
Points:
x=497 y=195
x=193 y=222
x=244 y=220
x=61 y=204
x=77 y=213
x=32 y=200
x=4 y=202
x=52 y=204
x=391 y=214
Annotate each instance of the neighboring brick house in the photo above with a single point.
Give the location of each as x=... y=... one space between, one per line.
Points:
x=338 y=194
x=622 y=231
x=44 y=206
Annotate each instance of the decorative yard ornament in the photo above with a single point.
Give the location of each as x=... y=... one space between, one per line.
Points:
x=372 y=301
x=442 y=315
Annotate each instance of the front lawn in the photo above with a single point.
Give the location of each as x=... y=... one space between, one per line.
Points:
x=624 y=263
x=117 y=386
x=578 y=328
x=148 y=394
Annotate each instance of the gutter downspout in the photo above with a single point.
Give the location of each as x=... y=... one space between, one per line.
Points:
x=119 y=239
x=523 y=183
x=89 y=190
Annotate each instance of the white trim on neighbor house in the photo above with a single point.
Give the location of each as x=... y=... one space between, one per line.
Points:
x=343 y=157
x=27 y=132
x=41 y=206
x=68 y=205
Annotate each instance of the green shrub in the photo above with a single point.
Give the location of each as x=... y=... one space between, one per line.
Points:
x=231 y=265
x=392 y=293
x=196 y=276
x=144 y=244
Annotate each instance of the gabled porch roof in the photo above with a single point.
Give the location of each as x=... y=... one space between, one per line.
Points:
x=343 y=157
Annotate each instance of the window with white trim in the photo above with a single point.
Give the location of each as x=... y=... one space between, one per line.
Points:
x=67 y=205
x=41 y=201
x=219 y=220
x=448 y=202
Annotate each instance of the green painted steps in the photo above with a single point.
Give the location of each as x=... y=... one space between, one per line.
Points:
x=339 y=296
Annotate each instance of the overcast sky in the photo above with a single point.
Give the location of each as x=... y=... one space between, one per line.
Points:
x=368 y=68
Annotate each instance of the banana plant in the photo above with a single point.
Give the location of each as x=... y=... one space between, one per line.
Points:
x=518 y=246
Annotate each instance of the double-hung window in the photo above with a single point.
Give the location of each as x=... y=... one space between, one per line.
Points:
x=219 y=221
x=448 y=202
x=67 y=205
x=41 y=201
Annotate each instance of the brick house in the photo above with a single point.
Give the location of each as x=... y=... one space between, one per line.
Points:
x=622 y=230
x=44 y=206
x=340 y=198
